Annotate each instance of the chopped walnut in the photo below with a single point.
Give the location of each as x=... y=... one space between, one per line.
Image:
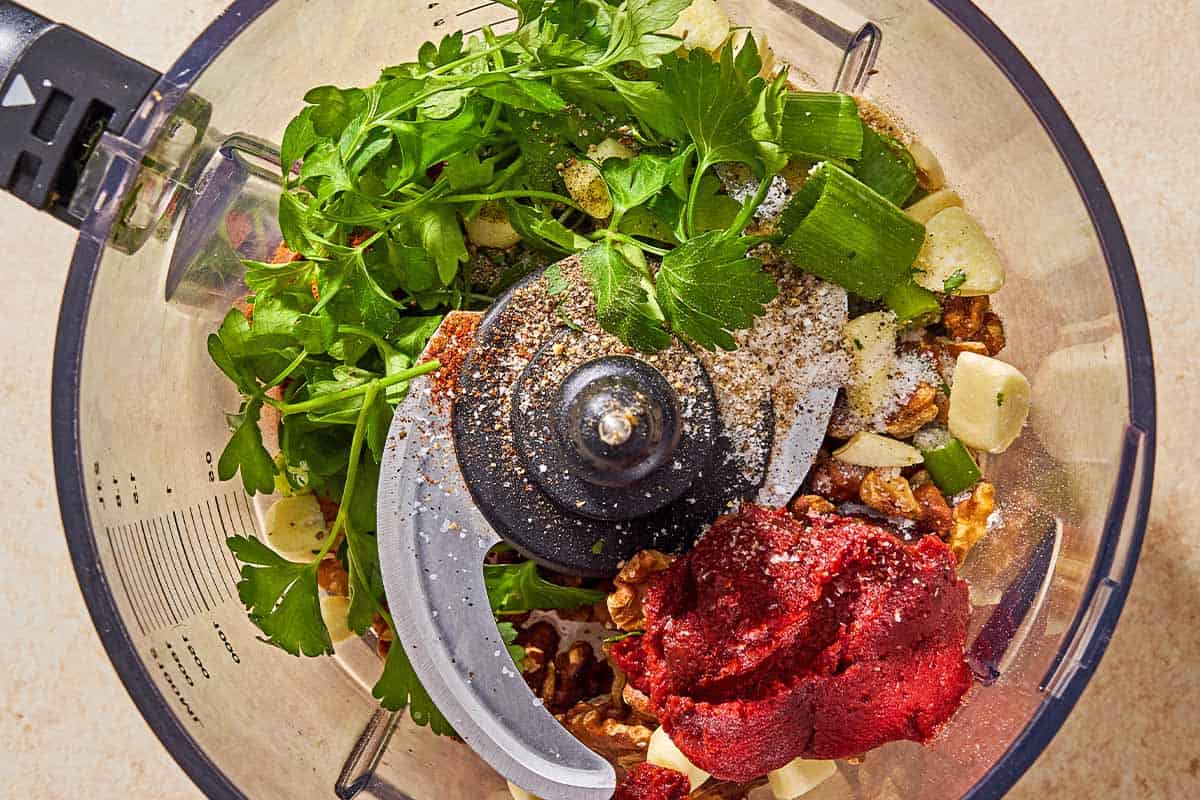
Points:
x=843 y=423
x=540 y=641
x=811 y=504
x=952 y=349
x=639 y=704
x=936 y=516
x=333 y=577
x=625 y=602
x=887 y=491
x=970 y=519
x=918 y=411
x=606 y=730
x=963 y=316
x=992 y=334
x=943 y=407
x=834 y=479
x=577 y=675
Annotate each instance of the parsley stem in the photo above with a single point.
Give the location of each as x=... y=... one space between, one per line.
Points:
x=371 y=386
x=498 y=63
x=494 y=45
x=288 y=370
x=689 y=217
x=627 y=239
x=748 y=208
x=471 y=198
x=356 y=443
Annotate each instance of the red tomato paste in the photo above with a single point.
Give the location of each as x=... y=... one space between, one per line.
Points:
x=778 y=637
x=652 y=782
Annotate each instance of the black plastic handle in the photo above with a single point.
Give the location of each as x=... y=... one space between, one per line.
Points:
x=59 y=90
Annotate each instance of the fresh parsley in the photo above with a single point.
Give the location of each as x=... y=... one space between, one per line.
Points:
x=517 y=588
x=708 y=287
x=281 y=597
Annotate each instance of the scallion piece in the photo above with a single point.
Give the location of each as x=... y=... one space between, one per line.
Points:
x=886 y=166
x=912 y=304
x=819 y=125
x=841 y=230
x=948 y=462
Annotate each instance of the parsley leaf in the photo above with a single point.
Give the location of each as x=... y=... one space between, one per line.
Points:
x=634 y=181
x=245 y=452
x=636 y=31
x=708 y=287
x=282 y=598
x=516 y=588
x=508 y=634
x=442 y=237
x=717 y=106
x=624 y=306
x=280 y=278
x=398 y=688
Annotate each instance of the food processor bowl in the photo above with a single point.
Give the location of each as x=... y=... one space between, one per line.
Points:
x=168 y=204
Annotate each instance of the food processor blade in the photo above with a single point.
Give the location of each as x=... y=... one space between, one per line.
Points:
x=1001 y=636
x=432 y=541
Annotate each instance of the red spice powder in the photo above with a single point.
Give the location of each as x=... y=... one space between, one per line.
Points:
x=450 y=346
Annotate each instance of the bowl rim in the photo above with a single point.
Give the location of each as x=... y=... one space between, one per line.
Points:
x=1116 y=558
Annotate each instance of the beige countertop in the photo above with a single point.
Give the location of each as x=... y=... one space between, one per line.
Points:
x=1127 y=74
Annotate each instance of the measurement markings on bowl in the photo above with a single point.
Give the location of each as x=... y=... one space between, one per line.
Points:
x=174 y=566
x=493 y=14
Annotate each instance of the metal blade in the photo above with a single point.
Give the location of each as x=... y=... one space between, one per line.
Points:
x=1001 y=637
x=432 y=541
x=795 y=449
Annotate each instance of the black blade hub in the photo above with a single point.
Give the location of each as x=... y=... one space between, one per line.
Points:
x=580 y=452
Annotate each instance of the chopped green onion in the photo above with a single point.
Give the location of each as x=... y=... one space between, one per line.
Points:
x=912 y=304
x=843 y=231
x=948 y=462
x=886 y=166
x=820 y=125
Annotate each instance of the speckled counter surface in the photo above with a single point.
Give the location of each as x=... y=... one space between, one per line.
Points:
x=1127 y=74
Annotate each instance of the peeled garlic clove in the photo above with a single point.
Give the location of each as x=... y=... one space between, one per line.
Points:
x=799 y=777
x=491 y=227
x=870 y=340
x=989 y=402
x=866 y=449
x=663 y=752
x=929 y=170
x=609 y=148
x=702 y=24
x=295 y=526
x=955 y=243
x=933 y=204
x=586 y=186
x=335 y=612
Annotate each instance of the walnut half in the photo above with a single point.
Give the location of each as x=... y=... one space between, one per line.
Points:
x=920 y=409
x=971 y=519
x=608 y=732
x=625 y=602
x=888 y=492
